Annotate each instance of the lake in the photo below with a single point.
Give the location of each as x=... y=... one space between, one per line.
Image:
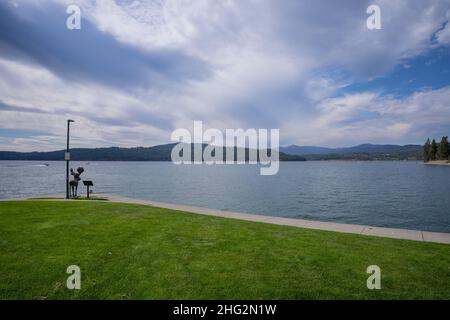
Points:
x=398 y=194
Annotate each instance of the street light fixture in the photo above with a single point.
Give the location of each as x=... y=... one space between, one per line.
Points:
x=67 y=158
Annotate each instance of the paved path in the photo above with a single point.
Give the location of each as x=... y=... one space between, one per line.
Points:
x=300 y=223
x=310 y=224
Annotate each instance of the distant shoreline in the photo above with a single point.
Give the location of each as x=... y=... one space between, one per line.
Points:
x=364 y=152
x=438 y=163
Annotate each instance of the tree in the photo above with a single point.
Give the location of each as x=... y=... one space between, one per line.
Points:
x=426 y=150
x=433 y=150
x=444 y=148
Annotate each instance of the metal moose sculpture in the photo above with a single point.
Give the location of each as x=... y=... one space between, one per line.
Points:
x=74 y=182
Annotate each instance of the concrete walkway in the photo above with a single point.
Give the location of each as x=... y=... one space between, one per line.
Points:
x=300 y=223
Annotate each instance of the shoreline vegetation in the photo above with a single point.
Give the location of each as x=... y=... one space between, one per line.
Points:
x=363 y=152
x=436 y=154
x=438 y=163
x=130 y=251
x=155 y=153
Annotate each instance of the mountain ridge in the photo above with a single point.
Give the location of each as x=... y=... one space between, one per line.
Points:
x=365 y=151
x=162 y=152
x=154 y=153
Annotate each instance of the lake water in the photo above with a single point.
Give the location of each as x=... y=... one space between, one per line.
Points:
x=380 y=193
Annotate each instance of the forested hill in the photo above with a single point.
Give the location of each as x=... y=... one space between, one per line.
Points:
x=163 y=153
x=156 y=153
x=360 y=152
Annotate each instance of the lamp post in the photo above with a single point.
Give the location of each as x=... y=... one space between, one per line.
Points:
x=67 y=158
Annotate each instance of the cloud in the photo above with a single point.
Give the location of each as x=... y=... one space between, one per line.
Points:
x=378 y=118
x=443 y=36
x=139 y=69
x=38 y=34
x=102 y=112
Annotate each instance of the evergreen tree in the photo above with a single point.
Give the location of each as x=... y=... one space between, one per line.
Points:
x=444 y=149
x=433 y=150
x=426 y=150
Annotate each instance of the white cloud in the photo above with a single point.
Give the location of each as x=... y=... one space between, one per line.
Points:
x=443 y=35
x=369 y=116
x=266 y=60
x=106 y=116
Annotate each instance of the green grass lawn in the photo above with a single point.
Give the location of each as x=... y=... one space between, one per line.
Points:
x=141 y=252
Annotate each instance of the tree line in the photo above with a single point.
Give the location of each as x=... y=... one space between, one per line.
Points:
x=155 y=153
x=433 y=151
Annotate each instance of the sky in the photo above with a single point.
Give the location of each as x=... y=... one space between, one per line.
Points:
x=138 y=70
